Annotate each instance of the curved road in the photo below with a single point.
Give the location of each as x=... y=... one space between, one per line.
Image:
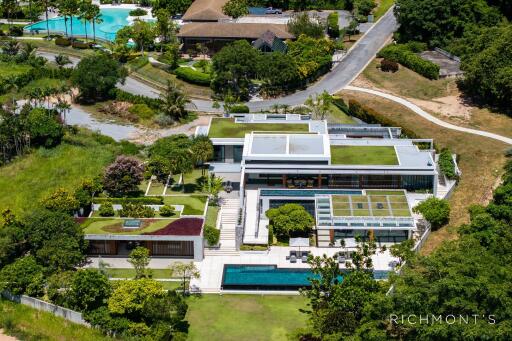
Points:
x=357 y=58
x=429 y=117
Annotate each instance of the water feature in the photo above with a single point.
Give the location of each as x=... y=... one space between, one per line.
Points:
x=114 y=19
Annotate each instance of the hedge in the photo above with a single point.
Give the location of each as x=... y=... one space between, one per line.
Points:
x=239 y=109
x=80 y=45
x=121 y=95
x=405 y=55
x=141 y=200
x=193 y=76
x=62 y=42
x=212 y=235
x=447 y=165
x=333 y=30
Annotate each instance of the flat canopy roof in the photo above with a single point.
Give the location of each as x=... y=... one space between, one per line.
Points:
x=265 y=146
x=232 y=30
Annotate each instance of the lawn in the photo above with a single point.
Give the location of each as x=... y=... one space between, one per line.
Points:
x=382 y=8
x=194 y=204
x=31 y=177
x=8 y=70
x=408 y=83
x=363 y=155
x=41 y=83
x=226 y=127
x=244 y=317
x=115 y=226
x=381 y=204
x=481 y=160
x=191 y=181
x=211 y=216
x=29 y=324
x=130 y=273
x=336 y=115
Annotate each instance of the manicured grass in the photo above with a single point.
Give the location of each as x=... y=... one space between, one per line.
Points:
x=336 y=115
x=244 y=317
x=408 y=83
x=386 y=192
x=191 y=182
x=379 y=205
x=115 y=226
x=8 y=70
x=226 y=127
x=211 y=216
x=26 y=323
x=130 y=273
x=33 y=176
x=382 y=8
x=481 y=159
x=194 y=204
x=363 y=155
x=156 y=188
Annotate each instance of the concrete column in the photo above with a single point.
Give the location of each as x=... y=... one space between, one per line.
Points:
x=198 y=248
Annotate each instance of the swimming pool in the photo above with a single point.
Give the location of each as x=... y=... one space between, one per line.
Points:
x=306 y=192
x=114 y=19
x=270 y=277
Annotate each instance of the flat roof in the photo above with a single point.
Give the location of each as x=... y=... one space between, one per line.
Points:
x=278 y=146
x=228 y=128
x=363 y=155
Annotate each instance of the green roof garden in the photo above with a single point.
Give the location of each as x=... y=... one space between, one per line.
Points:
x=363 y=155
x=115 y=226
x=384 y=204
x=227 y=128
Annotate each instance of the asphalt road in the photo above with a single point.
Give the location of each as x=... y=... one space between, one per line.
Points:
x=340 y=76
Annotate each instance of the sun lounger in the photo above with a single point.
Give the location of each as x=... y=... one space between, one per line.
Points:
x=293 y=259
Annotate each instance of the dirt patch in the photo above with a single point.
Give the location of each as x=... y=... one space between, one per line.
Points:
x=449 y=107
x=4 y=337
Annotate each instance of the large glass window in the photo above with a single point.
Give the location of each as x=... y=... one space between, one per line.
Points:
x=219 y=154
x=237 y=153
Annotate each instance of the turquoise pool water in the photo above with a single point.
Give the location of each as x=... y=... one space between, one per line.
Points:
x=270 y=277
x=114 y=19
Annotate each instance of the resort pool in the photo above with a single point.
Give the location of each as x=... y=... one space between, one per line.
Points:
x=114 y=19
x=306 y=192
x=270 y=277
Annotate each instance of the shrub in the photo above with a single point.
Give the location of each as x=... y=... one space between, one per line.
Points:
x=121 y=95
x=142 y=111
x=388 y=66
x=62 y=42
x=405 y=55
x=435 y=211
x=16 y=31
x=138 y=12
x=136 y=210
x=164 y=120
x=446 y=164
x=123 y=176
x=211 y=235
x=333 y=29
x=106 y=209
x=166 y=211
x=239 y=109
x=121 y=201
x=289 y=220
x=80 y=45
x=193 y=76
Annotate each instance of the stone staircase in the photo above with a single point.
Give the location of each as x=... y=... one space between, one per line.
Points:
x=228 y=219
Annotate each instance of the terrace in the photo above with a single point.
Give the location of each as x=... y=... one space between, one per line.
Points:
x=363 y=155
x=228 y=128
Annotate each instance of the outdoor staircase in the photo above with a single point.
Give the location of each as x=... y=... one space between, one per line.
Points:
x=228 y=220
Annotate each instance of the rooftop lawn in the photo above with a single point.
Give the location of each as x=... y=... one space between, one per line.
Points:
x=194 y=204
x=226 y=127
x=115 y=226
x=244 y=317
x=363 y=155
x=382 y=204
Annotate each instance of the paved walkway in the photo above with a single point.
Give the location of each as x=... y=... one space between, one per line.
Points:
x=429 y=117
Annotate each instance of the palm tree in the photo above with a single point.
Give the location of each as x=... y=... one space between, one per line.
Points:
x=202 y=150
x=62 y=60
x=9 y=7
x=173 y=101
x=84 y=14
x=47 y=4
x=62 y=108
x=96 y=19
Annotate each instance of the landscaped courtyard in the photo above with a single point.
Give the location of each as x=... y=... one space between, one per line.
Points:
x=226 y=127
x=374 y=204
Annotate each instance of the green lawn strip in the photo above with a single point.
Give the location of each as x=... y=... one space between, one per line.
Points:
x=363 y=155
x=114 y=226
x=211 y=216
x=244 y=317
x=401 y=213
x=194 y=204
x=226 y=127
x=167 y=285
x=359 y=198
x=130 y=273
x=26 y=323
x=191 y=182
x=342 y=213
x=382 y=8
x=361 y=213
x=380 y=213
x=336 y=115
x=156 y=188
x=33 y=176
x=8 y=70
x=399 y=206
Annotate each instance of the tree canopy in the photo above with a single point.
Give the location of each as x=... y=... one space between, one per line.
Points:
x=289 y=220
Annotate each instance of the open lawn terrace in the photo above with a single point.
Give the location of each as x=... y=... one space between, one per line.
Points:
x=228 y=128
x=363 y=155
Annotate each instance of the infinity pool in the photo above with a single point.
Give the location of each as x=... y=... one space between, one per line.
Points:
x=270 y=277
x=114 y=19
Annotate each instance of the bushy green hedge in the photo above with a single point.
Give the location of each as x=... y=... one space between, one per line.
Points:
x=446 y=164
x=405 y=55
x=121 y=201
x=80 y=45
x=136 y=210
x=239 y=109
x=212 y=235
x=138 y=12
x=193 y=76
x=121 y=95
x=106 y=209
x=62 y=42
x=142 y=111
x=333 y=29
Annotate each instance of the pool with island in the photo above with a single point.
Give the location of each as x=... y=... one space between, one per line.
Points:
x=270 y=277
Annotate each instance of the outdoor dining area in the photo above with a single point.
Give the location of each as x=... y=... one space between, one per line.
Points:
x=295 y=256
x=300 y=183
